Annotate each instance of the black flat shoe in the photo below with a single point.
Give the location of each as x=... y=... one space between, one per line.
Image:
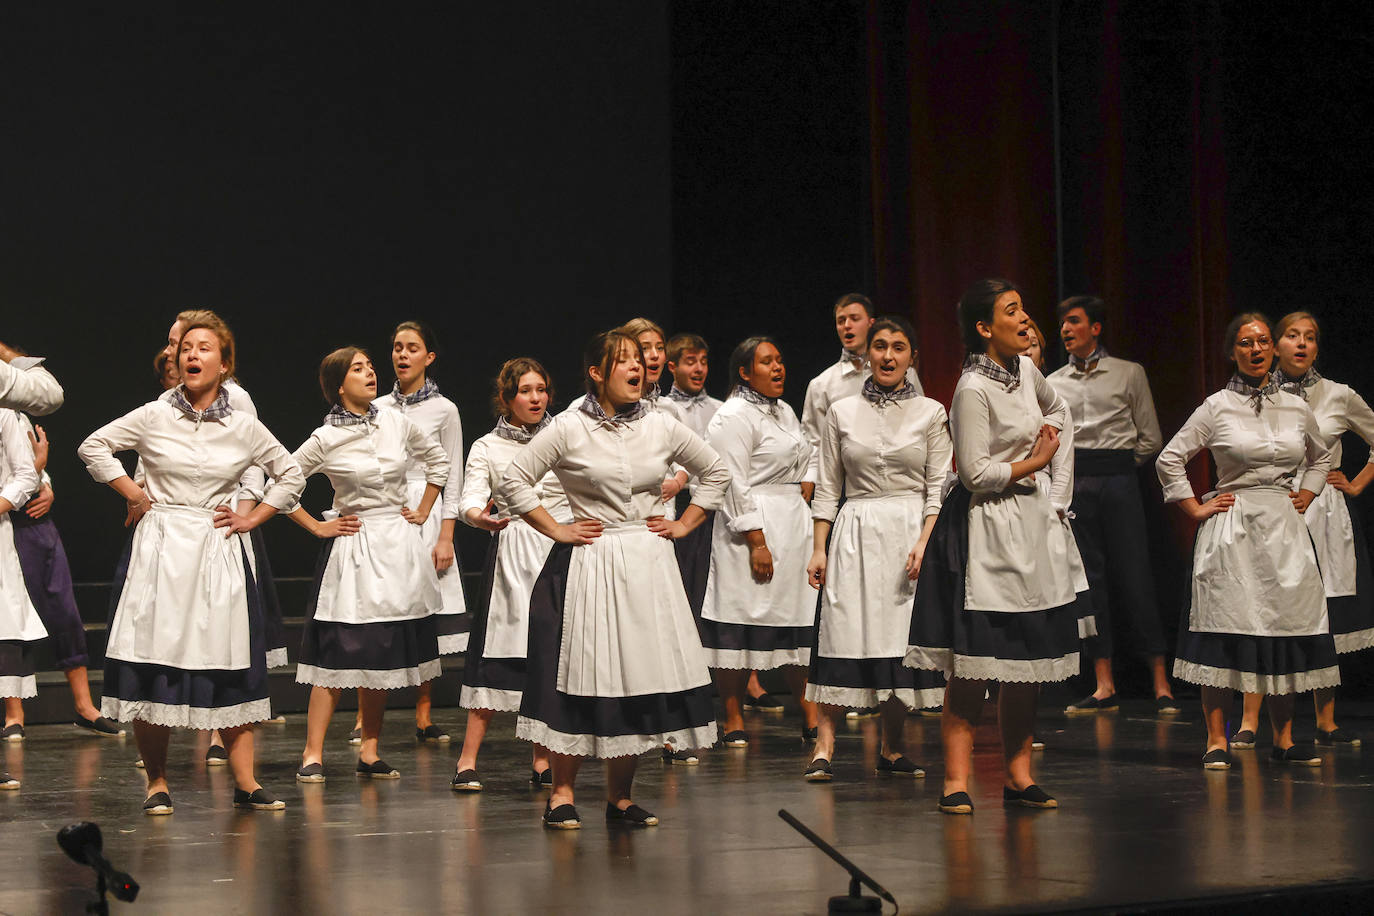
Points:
x=311 y=772
x=1243 y=740
x=683 y=758
x=431 y=734
x=818 y=771
x=157 y=804
x=564 y=817
x=1091 y=705
x=1216 y=760
x=1301 y=755
x=868 y=712
x=1167 y=706
x=633 y=816
x=1337 y=737
x=1037 y=743
x=542 y=780
x=12 y=733
x=736 y=739
x=764 y=702
x=8 y=783
x=465 y=781
x=356 y=736
x=99 y=726
x=216 y=756
x=377 y=769
x=956 y=803
x=1032 y=796
x=258 y=800
x=932 y=712
x=899 y=767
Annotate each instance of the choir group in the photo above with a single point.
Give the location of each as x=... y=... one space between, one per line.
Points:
x=650 y=553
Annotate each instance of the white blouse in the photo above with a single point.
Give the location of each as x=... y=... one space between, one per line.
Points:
x=1281 y=446
x=994 y=427
x=843 y=378
x=761 y=445
x=697 y=412
x=1112 y=407
x=25 y=385
x=190 y=463
x=18 y=479
x=902 y=448
x=488 y=461
x=438 y=417
x=366 y=463
x=1339 y=409
x=613 y=472
x=254 y=481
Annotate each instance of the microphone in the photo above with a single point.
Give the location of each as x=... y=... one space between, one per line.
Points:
x=83 y=843
x=855 y=902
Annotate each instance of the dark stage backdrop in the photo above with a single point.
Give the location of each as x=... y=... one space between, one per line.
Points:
x=499 y=170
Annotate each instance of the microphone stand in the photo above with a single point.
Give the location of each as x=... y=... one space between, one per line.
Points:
x=856 y=901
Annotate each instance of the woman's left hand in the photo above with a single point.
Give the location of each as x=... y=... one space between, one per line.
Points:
x=671 y=488
x=1338 y=480
x=913 y=560
x=235 y=523
x=1302 y=499
x=808 y=490
x=670 y=530
x=413 y=516
x=442 y=554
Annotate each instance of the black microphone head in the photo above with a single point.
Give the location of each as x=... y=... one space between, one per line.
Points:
x=75 y=839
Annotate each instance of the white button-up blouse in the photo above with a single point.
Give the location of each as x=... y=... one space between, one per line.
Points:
x=488 y=462
x=761 y=445
x=438 y=417
x=367 y=462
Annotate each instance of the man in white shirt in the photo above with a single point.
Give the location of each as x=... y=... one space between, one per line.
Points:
x=1115 y=430
x=853 y=314
x=25 y=385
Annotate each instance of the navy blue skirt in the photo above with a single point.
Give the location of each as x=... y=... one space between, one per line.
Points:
x=1014 y=647
x=489 y=683
x=271 y=604
x=16 y=669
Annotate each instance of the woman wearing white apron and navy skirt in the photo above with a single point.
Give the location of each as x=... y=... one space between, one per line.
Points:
x=413 y=351
x=20 y=626
x=494 y=667
x=995 y=600
x=615 y=666
x=759 y=613
x=186 y=645
x=371 y=623
x=1258 y=619
x=886 y=450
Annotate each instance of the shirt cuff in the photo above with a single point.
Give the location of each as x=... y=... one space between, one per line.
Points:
x=749 y=521
x=1179 y=491
x=25 y=363
x=825 y=510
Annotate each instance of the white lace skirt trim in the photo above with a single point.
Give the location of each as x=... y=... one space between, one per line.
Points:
x=366 y=679
x=490 y=698
x=987 y=668
x=861 y=698
x=1251 y=682
x=453 y=644
x=1087 y=626
x=276 y=658
x=201 y=718
x=614 y=746
x=1353 y=642
x=22 y=687
x=757 y=660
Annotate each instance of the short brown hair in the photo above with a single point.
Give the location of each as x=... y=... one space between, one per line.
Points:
x=334 y=369
x=853 y=299
x=686 y=343
x=1238 y=322
x=602 y=351
x=636 y=326
x=425 y=332
x=507 y=383
x=208 y=320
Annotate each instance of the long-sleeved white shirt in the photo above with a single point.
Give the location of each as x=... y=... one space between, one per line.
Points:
x=613 y=472
x=488 y=461
x=367 y=463
x=25 y=385
x=903 y=448
x=1112 y=407
x=438 y=417
x=1281 y=446
x=1338 y=408
x=186 y=463
x=696 y=412
x=18 y=479
x=843 y=379
x=994 y=427
x=761 y=445
x=254 y=482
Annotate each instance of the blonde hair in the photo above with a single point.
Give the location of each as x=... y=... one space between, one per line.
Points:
x=208 y=320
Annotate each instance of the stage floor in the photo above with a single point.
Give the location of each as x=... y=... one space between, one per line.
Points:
x=1140 y=823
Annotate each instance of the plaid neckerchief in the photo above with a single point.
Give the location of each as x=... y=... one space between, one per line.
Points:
x=592 y=408
x=508 y=430
x=1256 y=395
x=1089 y=364
x=423 y=393
x=651 y=392
x=753 y=397
x=1300 y=384
x=880 y=397
x=340 y=416
x=677 y=394
x=986 y=366
x=851 y=358
x=218 y=409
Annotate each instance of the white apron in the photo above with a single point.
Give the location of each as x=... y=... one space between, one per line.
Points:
x=451 y=579
x=185 y=598
x=1333 y=534
x=18 y=619
x=627 y=628
x=732 y=594
x=1017 y=558
x=520 y=555
x=382 y=573
x=868 y=597
x=1254 y=570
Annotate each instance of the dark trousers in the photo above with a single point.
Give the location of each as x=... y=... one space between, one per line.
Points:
x=49 y=582
x=1109 y=525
